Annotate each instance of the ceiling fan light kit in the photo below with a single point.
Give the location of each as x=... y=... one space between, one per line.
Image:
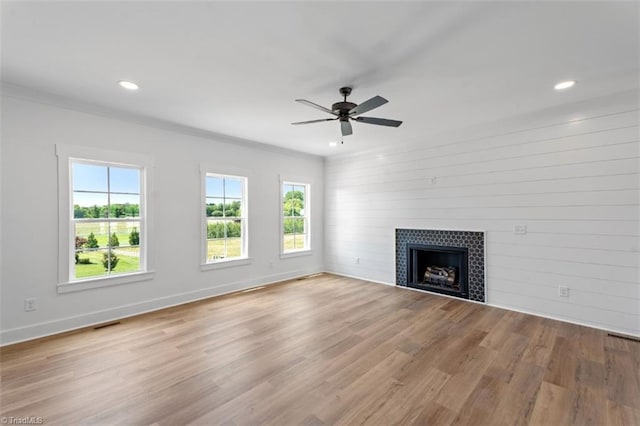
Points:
x=344 y=111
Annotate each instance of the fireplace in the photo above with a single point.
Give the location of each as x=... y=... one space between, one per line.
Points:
x=456 y=260
x=440 y=269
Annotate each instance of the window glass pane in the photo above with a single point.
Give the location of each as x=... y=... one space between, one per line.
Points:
x=128 y=260
x=292 y=204
x=232 y=188
x=215 y=207
x=300 y=194
x=124 y=180
x=298 y=226
x=120 y=233
x=215 y=250
x=299 y=191
x=125 y=199
x=89 y=237
x=124 y=205
x=89 y=263
x=90 y=205
x=299 y=241
x=124 y=259
x=89 y=177
x=215 y=229
x=96 y=234
x=288 y=226
x=286 y=207
x=297 y=203
x=214 y=187
x=128 y=233
x=288 y=242
x=234 y=238
x=233 y=208
x=215 y=239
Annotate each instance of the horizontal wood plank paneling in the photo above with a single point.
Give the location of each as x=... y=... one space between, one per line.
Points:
x=594 y=124
x=592 y=285
x=615 y=138
x=509 y=177
x=580 y=227
x=543 y=289
x=561 y=186
x=575 y=185
x=561 y=266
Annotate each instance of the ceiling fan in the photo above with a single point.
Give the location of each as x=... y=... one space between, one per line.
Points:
x=345 y=111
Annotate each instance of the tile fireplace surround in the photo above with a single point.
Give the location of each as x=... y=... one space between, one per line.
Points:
x=472 y=240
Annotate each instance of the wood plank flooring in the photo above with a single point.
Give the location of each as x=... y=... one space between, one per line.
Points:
x=327 y=350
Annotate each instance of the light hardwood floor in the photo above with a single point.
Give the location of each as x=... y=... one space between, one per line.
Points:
x=327 y=350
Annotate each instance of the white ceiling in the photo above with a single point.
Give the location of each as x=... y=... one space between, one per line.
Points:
x=235 y=68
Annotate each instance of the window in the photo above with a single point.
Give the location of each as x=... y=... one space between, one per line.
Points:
x=295 y=217
x=107 y=219
x=103 y=215
x=225 y=218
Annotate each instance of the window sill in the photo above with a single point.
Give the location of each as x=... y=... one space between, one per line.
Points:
x=296 y=253
x=72 y=286
x=221 y=264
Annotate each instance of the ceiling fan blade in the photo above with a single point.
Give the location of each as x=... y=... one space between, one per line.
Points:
x=316 y=106
x=345 y=126
x=314 y=121
x=378 y=121
x=368 y=105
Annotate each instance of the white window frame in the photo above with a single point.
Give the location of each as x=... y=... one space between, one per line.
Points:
x=67 y=154
x=207 y=170
x=307 y=216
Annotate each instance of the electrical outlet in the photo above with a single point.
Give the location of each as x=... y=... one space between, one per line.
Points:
x=29 y=305
x=519 y=229
x=563 y=291
x=357 y=261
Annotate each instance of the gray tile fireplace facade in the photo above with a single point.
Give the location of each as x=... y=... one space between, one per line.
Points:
x=471 y=240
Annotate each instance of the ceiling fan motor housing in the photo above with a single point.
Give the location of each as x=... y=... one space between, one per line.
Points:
x=343 y=108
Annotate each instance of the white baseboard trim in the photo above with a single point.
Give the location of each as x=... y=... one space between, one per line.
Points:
x=359 y=278
x=508 y=308
x=623 y=331
x=48 y=328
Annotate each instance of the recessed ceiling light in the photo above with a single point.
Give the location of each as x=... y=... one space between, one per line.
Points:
x=129 y=85
x=564 y=85
x=333 y=143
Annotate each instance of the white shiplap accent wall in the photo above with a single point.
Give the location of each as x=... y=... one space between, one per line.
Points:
x=574 y=184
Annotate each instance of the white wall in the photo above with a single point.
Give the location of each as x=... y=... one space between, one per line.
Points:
x=571 y=175
x=30 y=129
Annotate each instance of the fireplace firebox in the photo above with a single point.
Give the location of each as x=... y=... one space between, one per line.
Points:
x=439 y=269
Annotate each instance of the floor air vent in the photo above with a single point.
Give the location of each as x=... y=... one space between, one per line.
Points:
x=109 y=324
